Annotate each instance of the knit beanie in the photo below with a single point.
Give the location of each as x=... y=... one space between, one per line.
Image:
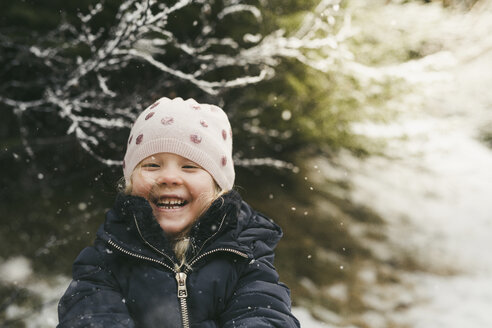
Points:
x=199 y=132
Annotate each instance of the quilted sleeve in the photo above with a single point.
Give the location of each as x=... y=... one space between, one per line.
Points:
x=259 y=300
x=93 y=297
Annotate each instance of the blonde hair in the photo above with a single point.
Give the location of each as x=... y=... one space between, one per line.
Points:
x=180 y=248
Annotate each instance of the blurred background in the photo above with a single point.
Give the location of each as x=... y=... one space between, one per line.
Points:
x=364 y=128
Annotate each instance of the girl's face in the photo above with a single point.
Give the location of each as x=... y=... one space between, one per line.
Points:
x=178 y=190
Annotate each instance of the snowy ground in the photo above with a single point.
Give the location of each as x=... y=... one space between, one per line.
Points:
x=17 y=271
x=434 y=188
x=435 y=191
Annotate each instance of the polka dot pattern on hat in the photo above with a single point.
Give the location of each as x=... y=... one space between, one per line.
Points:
x=149 y=115
x=195 y=138
x=167 y=120
x=199 y=132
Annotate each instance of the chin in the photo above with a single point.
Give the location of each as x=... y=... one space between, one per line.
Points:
x=172 y=230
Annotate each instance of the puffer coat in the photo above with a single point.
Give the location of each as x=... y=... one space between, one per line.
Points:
x=129 y=278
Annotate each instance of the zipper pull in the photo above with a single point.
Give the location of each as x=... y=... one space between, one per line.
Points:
x=181 y=279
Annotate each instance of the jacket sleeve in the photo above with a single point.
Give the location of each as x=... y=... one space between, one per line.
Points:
x=259 y=300
x=93 y=297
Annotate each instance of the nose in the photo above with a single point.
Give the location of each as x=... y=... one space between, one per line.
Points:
x=169 y=177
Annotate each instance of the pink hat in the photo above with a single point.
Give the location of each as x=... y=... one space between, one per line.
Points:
x=199 y=132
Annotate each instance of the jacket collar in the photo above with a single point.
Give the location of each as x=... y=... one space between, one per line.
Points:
x=132 y=223
x=220 y=217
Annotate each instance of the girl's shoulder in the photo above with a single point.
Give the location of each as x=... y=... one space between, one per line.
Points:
x=254 y=226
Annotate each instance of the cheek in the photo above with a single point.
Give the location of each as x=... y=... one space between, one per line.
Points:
x=141 y=185
x=206 y=190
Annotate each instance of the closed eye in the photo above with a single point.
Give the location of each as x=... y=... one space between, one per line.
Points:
x=150 y=165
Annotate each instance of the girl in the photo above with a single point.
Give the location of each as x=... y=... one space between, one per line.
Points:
x=179 y=248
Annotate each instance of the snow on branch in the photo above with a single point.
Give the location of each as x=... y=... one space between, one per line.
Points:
x=267 y=161
x=85 y=89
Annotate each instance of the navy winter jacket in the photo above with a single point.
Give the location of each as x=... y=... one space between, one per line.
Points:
x=129 y=277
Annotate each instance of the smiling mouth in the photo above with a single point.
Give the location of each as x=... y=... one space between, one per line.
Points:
x=170 y=203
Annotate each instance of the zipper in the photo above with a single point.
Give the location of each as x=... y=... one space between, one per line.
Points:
x=127 y=252
x=182 y=295
x=181 y=280
x=230 y=250
x=180 y=275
